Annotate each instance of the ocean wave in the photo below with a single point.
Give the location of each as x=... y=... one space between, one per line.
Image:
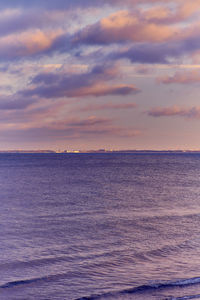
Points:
x=185 y=297
x=151 y=287
x=20 y=282
x=48 y=278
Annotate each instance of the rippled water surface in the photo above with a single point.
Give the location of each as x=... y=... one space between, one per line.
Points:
x=74 y=226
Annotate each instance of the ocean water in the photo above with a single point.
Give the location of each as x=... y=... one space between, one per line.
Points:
x=99 y=226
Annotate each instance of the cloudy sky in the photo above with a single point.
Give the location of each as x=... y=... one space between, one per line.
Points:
x=90 y=74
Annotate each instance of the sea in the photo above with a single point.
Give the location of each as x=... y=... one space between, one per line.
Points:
x=100 y=226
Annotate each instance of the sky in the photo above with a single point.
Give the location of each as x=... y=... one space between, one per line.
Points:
x=100 y=74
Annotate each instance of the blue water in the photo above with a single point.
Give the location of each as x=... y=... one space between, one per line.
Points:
x=99 y=226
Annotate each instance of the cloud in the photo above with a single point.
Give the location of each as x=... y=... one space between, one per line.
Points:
x=15 y=102
x=146 y=53
x=42 y=40
x=60 y=84
x=189 y=113
x=162 y=53
x=188 y=8
x=66 y=4
x=96 y=107
x=123 y=26
x=30 y=128
x=25 y=34
x=154 y=24
x=91 y=83
x=181 y=11
x=46 y=135
x=184 y=77
x=52 y=121
x=159 y=14
x=91 y=121
x=20 y=20
x=26 y=45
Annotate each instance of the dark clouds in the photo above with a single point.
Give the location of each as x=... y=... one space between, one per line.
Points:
x=163 y=53
x=54 y=85
x=92 y=83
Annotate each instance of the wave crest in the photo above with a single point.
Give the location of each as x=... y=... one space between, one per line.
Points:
x=153 y=286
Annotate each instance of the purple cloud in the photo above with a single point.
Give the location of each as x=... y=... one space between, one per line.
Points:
x=96 y=107
x=75 y=129
x=157 y=53
x=15 y=102
x=66 y=4
x=92 y=83
x=189 y=113
x=22 y=21
x=150 y=44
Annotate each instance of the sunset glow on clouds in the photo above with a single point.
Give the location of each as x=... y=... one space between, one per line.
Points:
x=90 y=74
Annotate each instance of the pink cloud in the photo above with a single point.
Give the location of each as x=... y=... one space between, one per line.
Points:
x=99 y=90
x=153 y=25
x=90 y=121
x=182 y=11
x=188 y=8
x=181 y=77
x=93 y=107
x=47 y=125
x=157 y=14
x=125 y=26
x=189 y=113
x=26 y=44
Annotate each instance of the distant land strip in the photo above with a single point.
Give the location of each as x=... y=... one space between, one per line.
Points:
x=99 y=151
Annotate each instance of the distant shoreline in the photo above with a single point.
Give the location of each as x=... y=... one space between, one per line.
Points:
x=96 y=151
